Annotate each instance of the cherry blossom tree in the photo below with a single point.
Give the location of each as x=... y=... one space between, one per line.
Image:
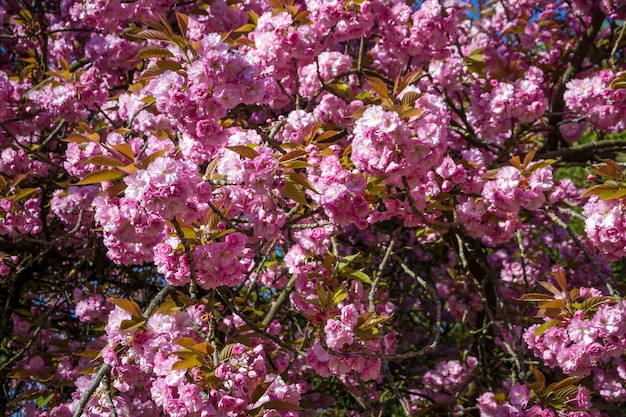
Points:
x=312 y=208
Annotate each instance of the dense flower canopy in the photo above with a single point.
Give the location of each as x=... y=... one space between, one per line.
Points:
x=312 y=208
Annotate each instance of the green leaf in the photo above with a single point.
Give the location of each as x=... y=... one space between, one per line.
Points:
x=545 y=326
x=249 y=27
x=23 y=194
x=89 y=353
x=43 y=400
x=131 y=324
x=190 y=362
x=338 y=296
x=361 y=276
x=341 y=90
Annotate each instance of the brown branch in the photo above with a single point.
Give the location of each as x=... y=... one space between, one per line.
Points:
x=586 y=152
x=575 y=64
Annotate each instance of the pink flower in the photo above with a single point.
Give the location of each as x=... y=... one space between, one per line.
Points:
x=337 y=334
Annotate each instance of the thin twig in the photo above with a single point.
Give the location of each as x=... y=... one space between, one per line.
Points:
x=438 y=306
x=588 y=255
x=250 y=323
x=105 y=369
x=282 y=297
x=379 y=273
x=106 y=381
x=193 y=286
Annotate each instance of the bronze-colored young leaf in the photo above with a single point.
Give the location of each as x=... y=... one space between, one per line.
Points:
x=329 y=135
x=564 y=383
x=292 y=155
x=515 y=161
x=153 y=51
x=379 y=86
x=550 y=287
x=154 y=25
x=115 y=189
x=126 y=150
x=371 y=322
x=552 y=304
x=563 y=393
x=535 y=296
x=561 y=280
x=245 y=151
x=99 y=176
x=407 y=80
x=294 y=192
x=89 y=353
x=618 y=82
x=528 y=158
x=281 y=405
x=540 y=381
x=166 y=65
x=151 y=34
x=183 y=22
x=128 y=305
x=411 y=97
x=76 y=138
x=152 y=157
x=104 y=160
x=594 y=302
x=227 y=352
x=608 y=188
x=253 y=16
x=302 y=180
x=259 y=391
x=186 y=342
x=203 y=347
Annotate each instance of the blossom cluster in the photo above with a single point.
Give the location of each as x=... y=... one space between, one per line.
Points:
x=320 y=206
